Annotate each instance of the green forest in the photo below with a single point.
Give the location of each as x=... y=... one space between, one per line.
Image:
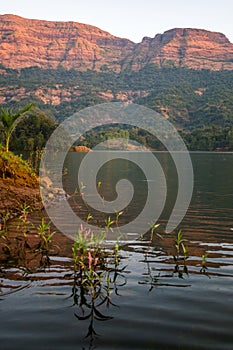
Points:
x=198 y=102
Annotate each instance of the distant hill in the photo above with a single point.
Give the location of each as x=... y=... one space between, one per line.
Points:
x=45 y=44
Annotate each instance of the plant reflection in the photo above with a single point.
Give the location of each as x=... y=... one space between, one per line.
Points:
x=28 y=244
x=97 y=275
x=178 y=263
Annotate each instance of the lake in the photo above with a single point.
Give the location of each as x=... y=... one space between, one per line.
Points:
x=157 y=300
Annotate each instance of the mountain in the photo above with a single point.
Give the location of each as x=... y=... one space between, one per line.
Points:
x=45 y=44
x=26 y=43
x=184 y=74
x=183 y=47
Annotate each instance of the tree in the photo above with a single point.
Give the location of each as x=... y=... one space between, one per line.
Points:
x=10 y=120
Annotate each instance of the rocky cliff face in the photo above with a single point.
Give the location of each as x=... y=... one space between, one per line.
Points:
x=193 y=48
x=26 y=43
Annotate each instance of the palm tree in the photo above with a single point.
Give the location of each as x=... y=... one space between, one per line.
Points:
x=10 y=120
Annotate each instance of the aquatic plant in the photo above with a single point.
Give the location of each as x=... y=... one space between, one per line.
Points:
x=87 y=244
x=203 y=264
x=181 y=255
x=179 y=244
x=89 y=217
x=45 y=236
x=109 y=223
x=96 y=274
x=118 y=214
x=24 y=218
x=152 y=232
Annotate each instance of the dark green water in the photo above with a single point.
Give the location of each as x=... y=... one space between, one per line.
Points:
x=155 y=308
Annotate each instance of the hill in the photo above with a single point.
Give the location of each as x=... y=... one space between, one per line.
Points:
x=45 y=44
x=185 y=74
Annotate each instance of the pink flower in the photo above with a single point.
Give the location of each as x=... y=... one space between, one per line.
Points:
x=89 y=260
x=24 y=217
x=88 y=232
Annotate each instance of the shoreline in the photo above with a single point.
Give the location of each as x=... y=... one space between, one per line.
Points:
x=14 y=196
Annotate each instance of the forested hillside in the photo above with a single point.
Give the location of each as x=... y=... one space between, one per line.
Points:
x=198 y=102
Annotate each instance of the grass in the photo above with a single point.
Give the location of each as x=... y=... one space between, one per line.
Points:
x=14 y=169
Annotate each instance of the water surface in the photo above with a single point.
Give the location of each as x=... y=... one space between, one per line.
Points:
x=155 y=307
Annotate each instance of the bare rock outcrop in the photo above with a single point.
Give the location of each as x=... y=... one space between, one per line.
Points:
x=46 y=44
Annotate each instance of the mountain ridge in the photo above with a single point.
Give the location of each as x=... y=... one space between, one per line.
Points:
x=51 y=44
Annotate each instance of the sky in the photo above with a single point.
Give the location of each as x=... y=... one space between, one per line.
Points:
x=132 y=19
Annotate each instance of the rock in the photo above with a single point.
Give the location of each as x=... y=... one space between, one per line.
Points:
x=51 y=193
x=80 y=149
x=46 y=182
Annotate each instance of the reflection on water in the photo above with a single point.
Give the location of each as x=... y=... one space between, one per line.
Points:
x=92 y=295
x=155 y=298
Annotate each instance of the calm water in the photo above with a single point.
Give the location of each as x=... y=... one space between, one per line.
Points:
x=154 y=307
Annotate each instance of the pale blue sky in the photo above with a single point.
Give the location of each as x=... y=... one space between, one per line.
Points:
x=131 y=19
